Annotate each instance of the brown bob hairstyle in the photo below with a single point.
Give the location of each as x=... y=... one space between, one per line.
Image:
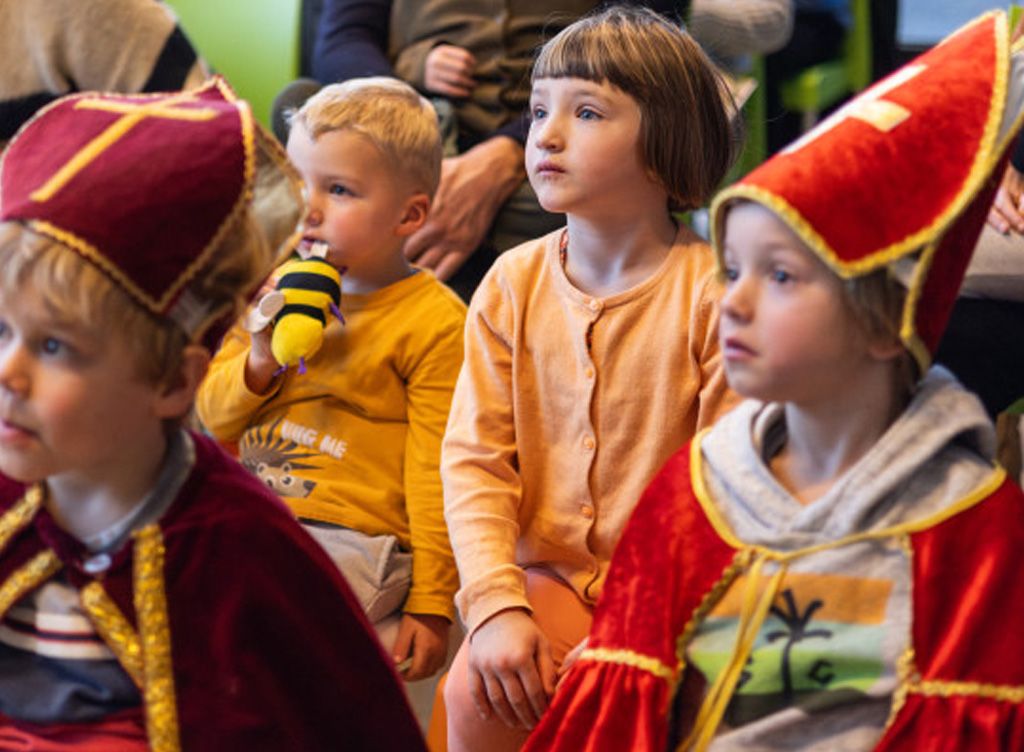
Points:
x=686 y=139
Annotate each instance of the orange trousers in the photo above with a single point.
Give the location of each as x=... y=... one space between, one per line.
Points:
x=563 y=618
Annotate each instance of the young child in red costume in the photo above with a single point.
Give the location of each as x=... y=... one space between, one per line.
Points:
x=153 y=594
x=836 y=563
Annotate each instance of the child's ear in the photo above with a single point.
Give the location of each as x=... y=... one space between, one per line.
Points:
x=175 y=398
x=417 y=207
x=885 y=348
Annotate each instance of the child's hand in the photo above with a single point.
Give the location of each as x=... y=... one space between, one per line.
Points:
x=260 y=365
x=511 y=671
x=424 y=637
x=570 y=658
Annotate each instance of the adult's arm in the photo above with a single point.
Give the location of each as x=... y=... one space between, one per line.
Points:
x=352 y=40
x=729 y=28
x=51 y=49
x=152 y=55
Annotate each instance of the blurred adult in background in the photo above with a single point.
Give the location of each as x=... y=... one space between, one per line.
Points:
x=474 y=59
x=49 y=48
x=732 y=30
x=984 y=341
x=819 y=27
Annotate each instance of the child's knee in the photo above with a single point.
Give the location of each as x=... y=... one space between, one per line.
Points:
x=456 y=688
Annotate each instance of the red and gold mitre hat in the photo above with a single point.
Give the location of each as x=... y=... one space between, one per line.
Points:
x=144 y=186
x=904 y=173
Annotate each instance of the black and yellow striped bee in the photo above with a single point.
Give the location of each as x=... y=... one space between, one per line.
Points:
x=310 y=289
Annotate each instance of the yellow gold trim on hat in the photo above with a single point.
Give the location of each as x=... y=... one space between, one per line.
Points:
x=1014 y=128
x=245 y=118
x=243 y=200
x=115 y=630
x=155 y=636
x=908 y=324
x=252 y=137
x=100 y=95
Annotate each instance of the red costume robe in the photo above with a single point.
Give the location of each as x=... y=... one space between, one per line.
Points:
x=236 y=627
x=961 y=686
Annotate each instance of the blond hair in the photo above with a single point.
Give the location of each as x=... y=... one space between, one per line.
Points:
x=389 y=112
x=75 y=290
x=686 y=139
x=876 y=300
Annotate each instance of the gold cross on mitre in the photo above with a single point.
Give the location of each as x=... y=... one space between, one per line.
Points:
x=131 y=115
x=869 y=108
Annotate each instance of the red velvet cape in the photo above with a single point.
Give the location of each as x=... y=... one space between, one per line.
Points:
x=268 y=649
x=671 y=566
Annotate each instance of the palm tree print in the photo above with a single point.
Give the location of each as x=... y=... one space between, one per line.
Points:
x=796 y=631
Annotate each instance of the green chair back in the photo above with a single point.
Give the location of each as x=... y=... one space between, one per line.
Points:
x=755 y=118
x=253 y=44
x=821 y=86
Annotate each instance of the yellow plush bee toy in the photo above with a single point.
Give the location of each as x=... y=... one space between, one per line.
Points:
x=307 y=290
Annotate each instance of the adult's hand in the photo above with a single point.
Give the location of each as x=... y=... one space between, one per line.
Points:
x=448 y=71
x=511 y=671
x=473 y=187
x=1007 y=212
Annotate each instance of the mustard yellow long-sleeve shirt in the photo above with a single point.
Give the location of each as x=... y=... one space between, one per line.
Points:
x=551 y=442
x=355 y=441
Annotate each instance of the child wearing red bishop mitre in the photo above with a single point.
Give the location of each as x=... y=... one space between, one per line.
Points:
x=836 y=563
x=154 y=595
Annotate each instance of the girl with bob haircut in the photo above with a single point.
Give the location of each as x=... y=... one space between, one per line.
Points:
x=591 y=354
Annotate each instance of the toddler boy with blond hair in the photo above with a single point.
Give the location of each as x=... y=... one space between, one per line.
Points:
x=353 y=444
